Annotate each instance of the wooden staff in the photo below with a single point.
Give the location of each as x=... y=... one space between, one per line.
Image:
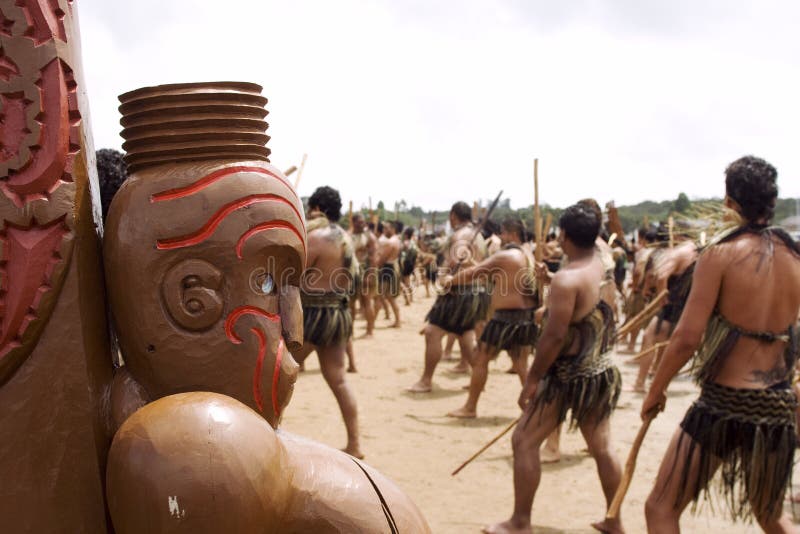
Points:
x=482 y=449
x=350 y=216
x=643 y=316
x=288 y=172
x=538 y=252
x=630 y=466
x=300 y=172
x=656 y=347
x=671 y=226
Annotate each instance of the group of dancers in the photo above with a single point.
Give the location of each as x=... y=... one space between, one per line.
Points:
x=732 y=303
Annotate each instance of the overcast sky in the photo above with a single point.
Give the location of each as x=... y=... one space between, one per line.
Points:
x=433 y=102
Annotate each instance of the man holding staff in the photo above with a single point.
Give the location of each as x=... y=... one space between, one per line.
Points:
x=512 y=327
x=571 y=371
x=740 y=320
x=458 y=310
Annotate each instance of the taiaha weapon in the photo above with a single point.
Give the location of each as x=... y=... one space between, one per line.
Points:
x=477 y=231
x=657 y=347
x=482 y=449
x=288 y=172
x=300 y=171
x=643 y=316
x=630 y=466
x=671 y=225
x=350 y=216
x=538 y=252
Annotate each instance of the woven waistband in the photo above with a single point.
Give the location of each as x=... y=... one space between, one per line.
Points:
x=755 y=406
x=323 y=300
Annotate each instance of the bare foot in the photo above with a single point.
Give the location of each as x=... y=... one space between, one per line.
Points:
x=447 y=357
x=511 y=371
x=352 y=369
x=463 y=413
x=462 y=368
x=549 y=456
x=366 y=335
x=396 y=324
x=420 y=387
x=355 y=452
x=636 y=388
x=302 y=367
x=610 y=526
x=507 y=527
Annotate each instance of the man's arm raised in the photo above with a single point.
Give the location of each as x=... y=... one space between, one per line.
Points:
x=563 y=296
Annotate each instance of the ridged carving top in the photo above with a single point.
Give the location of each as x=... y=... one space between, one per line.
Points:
x=185 y=122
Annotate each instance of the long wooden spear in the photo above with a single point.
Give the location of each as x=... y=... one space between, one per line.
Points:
x=630 y=466
x=482 y=449
x=538 y=252
x=300 y=171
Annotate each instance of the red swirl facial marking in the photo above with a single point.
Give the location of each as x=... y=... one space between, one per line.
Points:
x=212 y=178
x=274 y=224
x=261 y=337
x=211 y=225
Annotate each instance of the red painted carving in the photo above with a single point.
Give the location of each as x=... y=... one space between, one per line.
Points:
x=230 y=322
x=215 y=176
x=265 y=227
x=208 y=228
x=29 y=256
x=45 y=20
x=52 y=156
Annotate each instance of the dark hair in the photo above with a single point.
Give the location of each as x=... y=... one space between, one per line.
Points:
x=379 y=228
x=750 y=181
x=594 y=206
x=111 y=173
x=514 y=225
x=398 y=226
x=580 y=224
x=371 y=226
x=327 y=200
x=462 y=211
x=490 y=228
x=359 y=216
x=408 y=232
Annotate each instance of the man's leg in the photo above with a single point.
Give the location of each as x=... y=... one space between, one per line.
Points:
x=480 y=370
x=519 y=361
x=646 y=362
x=528 y=436
x=331 y=362
x=448 y=347
x=351 y=358
x=660 y=510
x=551 y=452
x=395 y=309
x=598 y=440
x=433 y=353
x=369 y=313
x=466 y=343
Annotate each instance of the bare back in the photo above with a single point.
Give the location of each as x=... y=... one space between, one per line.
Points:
x=326 y=269
x=512 y=279
x=464 y=251
x=759 y=291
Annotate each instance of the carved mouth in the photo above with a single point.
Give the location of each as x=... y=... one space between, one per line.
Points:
x=261 y=338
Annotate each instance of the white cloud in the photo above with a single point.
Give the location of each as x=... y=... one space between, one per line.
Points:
x=433 y=102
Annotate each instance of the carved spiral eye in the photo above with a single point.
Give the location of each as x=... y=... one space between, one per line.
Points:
x=261 y=282
x=190 y=292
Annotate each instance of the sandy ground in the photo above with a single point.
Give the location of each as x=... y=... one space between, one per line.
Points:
x=409 y=439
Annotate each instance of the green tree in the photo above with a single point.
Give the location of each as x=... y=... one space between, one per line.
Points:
x=682 y=204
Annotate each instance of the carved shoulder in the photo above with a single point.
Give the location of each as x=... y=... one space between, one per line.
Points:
x=196 y=462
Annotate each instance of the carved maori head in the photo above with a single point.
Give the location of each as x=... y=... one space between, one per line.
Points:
x=204 y=248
